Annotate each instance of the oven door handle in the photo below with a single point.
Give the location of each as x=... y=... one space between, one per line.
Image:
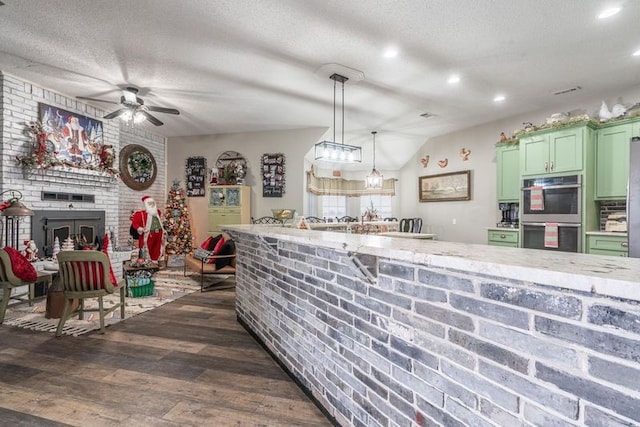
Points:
x=553 y=187
x=560 y=224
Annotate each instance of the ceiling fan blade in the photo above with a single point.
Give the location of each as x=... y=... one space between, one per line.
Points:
x=115 y=114
x=162 y=110
x=95 y=99
x=151 y=118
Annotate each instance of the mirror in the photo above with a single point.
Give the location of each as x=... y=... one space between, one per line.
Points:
x=138 y=168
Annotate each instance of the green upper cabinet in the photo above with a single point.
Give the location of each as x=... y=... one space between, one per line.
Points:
x=508 y=168
x=612 y=159
x=553 y=152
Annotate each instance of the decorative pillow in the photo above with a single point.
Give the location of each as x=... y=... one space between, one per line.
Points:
x=216 y=250
x=21 y=266
x=201 y=254
x=206 y=243
x=228 y=248
x=214 y=242
x=105 y=249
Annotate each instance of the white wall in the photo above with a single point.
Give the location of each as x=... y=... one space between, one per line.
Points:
x=295 y=144
x=474 y=216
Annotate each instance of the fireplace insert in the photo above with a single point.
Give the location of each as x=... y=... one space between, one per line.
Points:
x=85 y=228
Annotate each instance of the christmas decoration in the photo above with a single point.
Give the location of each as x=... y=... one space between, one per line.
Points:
x=177 y=224
x=56 y=248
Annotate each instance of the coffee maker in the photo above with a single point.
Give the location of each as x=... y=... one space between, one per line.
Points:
x=509 y=213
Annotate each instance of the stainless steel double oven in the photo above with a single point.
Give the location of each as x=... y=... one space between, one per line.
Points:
x=561 y=203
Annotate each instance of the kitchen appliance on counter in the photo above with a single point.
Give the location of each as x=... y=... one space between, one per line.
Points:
x=551 y=216
x=509 y=213
x=616 y=222
x=633 y=198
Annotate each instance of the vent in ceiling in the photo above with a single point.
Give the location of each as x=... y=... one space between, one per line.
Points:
x=73 y=197
x=568 y=90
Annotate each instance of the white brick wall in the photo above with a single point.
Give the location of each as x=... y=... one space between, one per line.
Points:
x=19 y=105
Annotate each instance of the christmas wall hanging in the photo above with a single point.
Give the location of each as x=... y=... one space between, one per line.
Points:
x=273 y=175
x=196 y=171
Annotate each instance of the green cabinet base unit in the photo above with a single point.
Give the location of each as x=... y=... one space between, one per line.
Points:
x=608 y=244
x=507 y=238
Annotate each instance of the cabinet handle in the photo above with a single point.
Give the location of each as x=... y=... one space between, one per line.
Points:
x=546 y=166
x=551 y=165
x=624 y=244
x=503 y=236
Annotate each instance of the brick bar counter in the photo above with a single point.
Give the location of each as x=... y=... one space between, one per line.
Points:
x=384 y=331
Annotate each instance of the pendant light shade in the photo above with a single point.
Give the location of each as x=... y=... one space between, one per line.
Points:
x=374 y=179
x=331 y=150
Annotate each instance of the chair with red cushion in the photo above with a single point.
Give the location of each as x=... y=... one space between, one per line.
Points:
x=16 y=271
x=85 y=274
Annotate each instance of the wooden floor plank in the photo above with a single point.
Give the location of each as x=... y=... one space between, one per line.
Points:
x=187 y=363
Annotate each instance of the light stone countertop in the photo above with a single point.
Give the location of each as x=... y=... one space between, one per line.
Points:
x=605 y=275
x=502 y=229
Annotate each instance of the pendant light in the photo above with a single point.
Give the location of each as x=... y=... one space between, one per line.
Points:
x=374 y=179
x=331 y=150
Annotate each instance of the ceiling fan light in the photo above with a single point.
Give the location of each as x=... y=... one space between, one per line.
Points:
x=138 y=117
x=126 y=116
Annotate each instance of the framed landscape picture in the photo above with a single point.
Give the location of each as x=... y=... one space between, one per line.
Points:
x=445 y=187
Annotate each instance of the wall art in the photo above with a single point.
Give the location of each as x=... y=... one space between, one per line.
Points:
x=273 y=181
x=196 y=172
x=445 y=187
x=75 y=140
x=138 y=167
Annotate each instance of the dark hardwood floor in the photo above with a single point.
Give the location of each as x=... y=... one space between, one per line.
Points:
x=187 y=363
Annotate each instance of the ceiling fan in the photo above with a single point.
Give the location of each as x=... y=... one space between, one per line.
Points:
x=134 y=109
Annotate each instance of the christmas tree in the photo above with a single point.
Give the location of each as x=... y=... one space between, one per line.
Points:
x=177 y=223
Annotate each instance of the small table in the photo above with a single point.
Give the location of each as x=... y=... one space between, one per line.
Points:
x=41 y=276
x=129 y=271
x=407 y=235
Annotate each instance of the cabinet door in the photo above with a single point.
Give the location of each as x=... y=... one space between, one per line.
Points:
x=566 y=147
x=612 y=161
x=534 y=155
x=508 y=167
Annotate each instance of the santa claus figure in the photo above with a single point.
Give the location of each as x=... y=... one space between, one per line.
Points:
x=75 y=136
x=148 y=224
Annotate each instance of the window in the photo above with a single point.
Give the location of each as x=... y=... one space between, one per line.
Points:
x=382 y=204
x=333 y=206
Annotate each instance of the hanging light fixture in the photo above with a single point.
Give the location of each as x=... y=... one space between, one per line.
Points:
x=374 y=179
x=331 y=150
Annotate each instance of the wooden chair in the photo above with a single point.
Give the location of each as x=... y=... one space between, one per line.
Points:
x=417 y=225
x=347 y=218
x=391 y=218
x=8 y=281
x=267 y=220
x=85 y=274
x=207 y=265
x=314 y=219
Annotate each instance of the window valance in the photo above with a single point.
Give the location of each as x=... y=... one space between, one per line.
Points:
x=321 y=186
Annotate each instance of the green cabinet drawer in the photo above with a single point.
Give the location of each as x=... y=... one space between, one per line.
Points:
x=503 y=238
x=608 y=245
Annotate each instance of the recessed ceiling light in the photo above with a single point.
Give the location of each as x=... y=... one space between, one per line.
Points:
x=499 y=98
x=390 y=52
x=636 y=53
x=607 y=13
x=453 y=79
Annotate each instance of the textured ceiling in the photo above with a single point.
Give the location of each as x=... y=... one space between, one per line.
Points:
x=238 y=65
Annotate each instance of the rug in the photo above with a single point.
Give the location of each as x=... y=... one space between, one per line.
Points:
x=168 y=287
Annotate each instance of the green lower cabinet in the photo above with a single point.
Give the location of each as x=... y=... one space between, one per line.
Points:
x=507 y=238
x=600 y=244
